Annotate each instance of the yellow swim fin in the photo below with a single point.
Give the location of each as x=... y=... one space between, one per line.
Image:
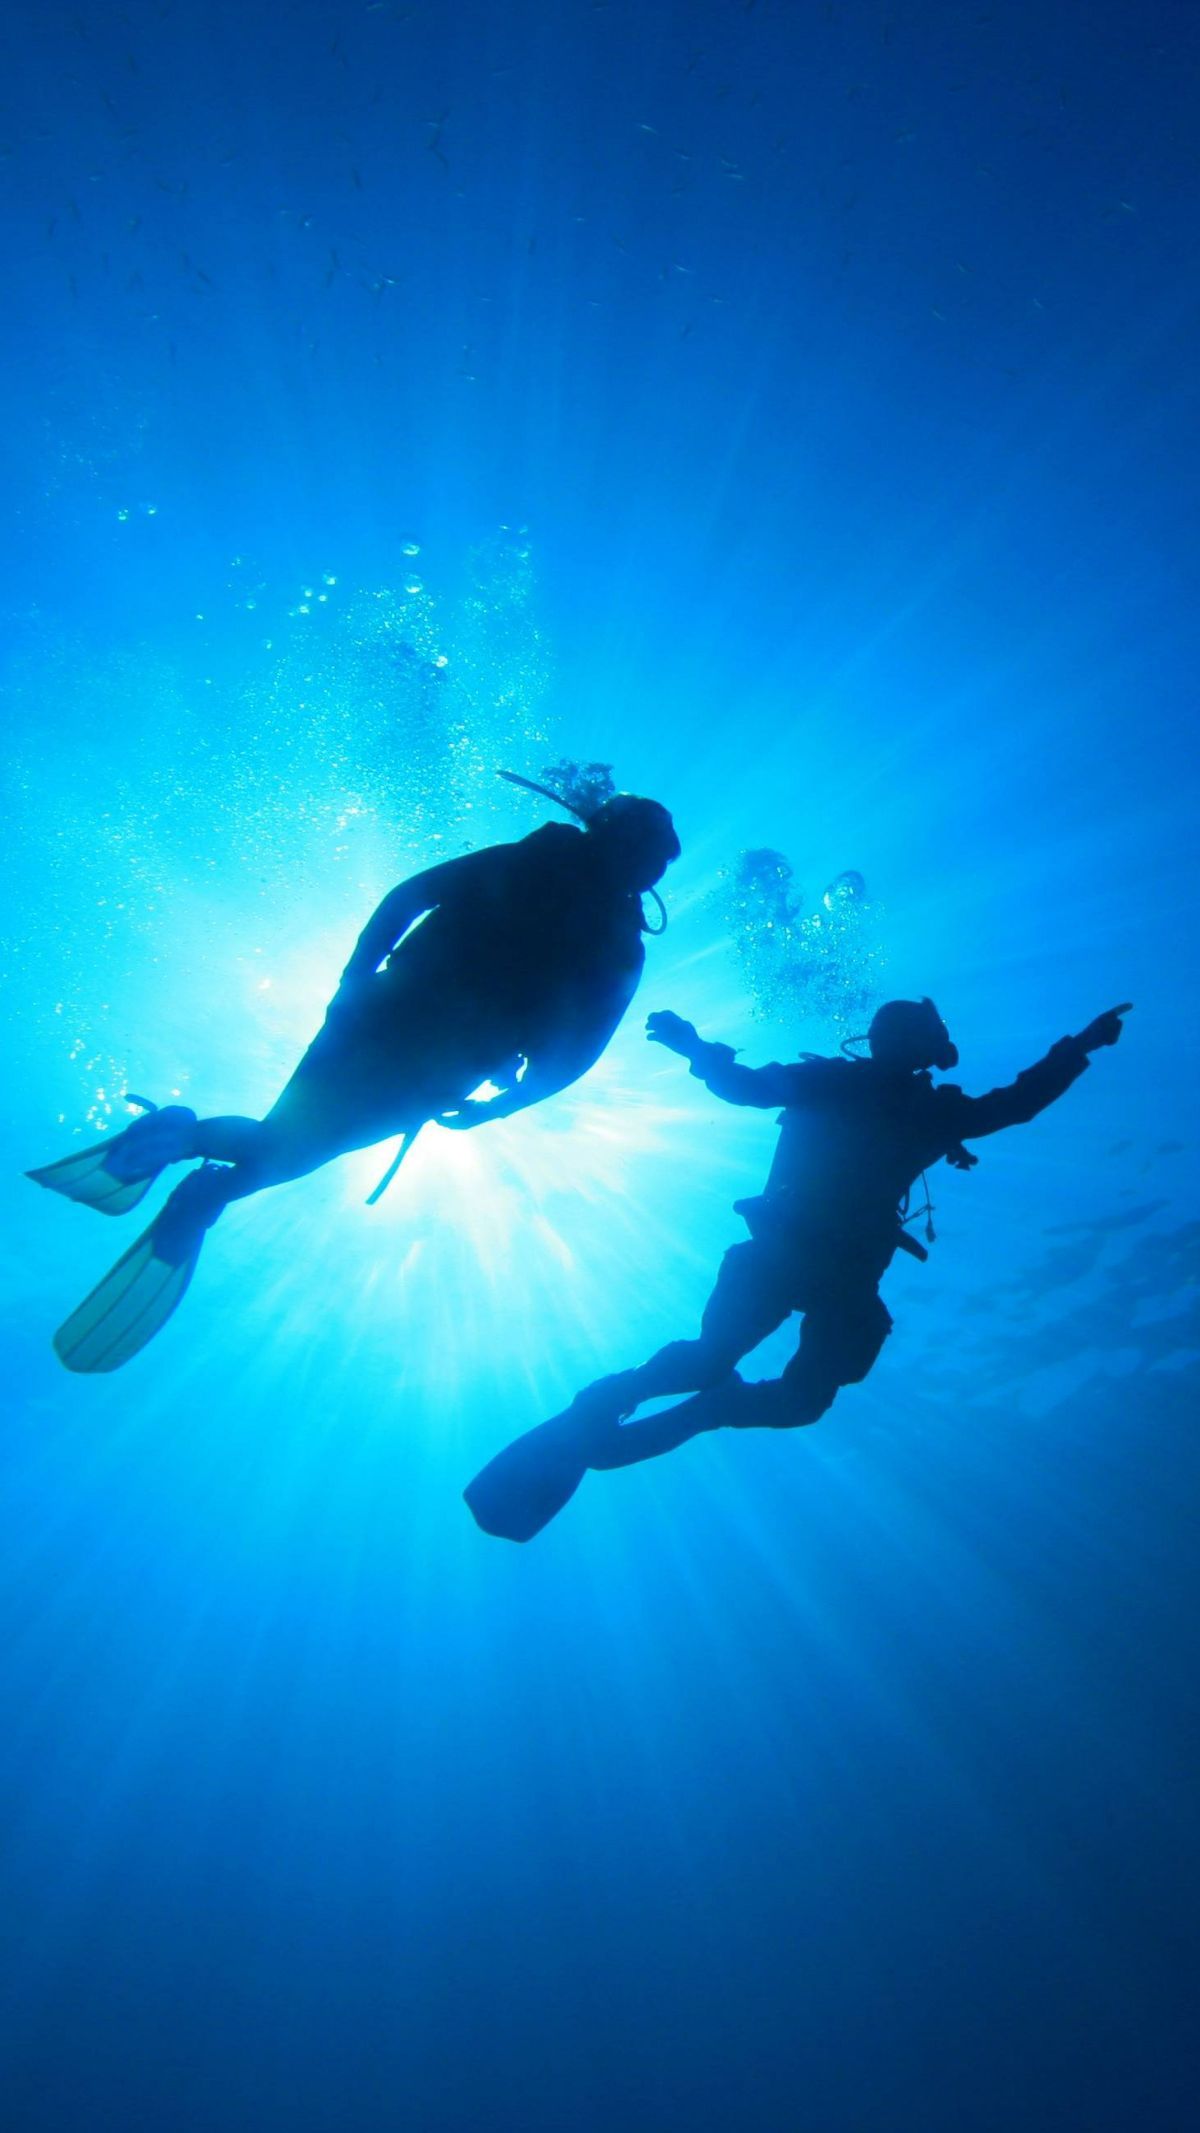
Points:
x=87 y=1178
x=139 y=1294
x=114 y=1175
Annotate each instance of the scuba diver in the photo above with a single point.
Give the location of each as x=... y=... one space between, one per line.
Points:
x=512 y=965
x=855 y=1134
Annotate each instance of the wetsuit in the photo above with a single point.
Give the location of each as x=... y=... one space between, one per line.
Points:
x=854 y=1138
x=513 y=964
x=522 y=953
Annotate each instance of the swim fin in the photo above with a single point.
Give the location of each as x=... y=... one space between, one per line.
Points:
x=138 y=1295
x=88 y=1178
x=112 y=1176
x=526 y=1485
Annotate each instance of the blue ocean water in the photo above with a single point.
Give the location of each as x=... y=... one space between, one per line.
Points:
x=793 y=407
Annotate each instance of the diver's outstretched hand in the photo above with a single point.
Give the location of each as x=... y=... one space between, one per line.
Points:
x=1105 y=1029
x=671 y=1030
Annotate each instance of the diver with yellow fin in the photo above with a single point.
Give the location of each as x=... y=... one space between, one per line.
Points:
x=512 y=965
x=855 y=1135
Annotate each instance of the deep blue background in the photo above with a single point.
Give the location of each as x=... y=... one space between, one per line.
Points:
x=794 y=406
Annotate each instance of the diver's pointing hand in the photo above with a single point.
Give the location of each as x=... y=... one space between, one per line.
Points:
x=1105 y=1029
x=671 y=1030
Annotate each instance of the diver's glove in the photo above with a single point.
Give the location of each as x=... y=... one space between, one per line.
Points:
x=676 y=1034
x=1104 y=1030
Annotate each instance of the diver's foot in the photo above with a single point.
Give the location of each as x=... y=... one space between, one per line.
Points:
x=596 y=1414
x=192 y=1208
x=152 y=1143
x=616 y=1395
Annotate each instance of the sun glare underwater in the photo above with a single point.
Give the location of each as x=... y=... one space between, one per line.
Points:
x=788 y=414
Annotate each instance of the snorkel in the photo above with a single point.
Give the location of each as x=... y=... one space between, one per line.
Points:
x=513 y=777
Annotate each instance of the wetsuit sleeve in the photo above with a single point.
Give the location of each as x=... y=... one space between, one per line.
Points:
x=405 y=904
x=767 y=1088
x=970 y=1117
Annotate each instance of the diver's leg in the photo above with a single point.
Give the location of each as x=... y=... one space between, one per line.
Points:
x=629 y=1443
x=341 y=1096
x=263 y=1151
x=227 y=1140
x=355 y=1086
x=839 y=1343
x=751 y=1298
x=244 y=1156
x=525 y=1485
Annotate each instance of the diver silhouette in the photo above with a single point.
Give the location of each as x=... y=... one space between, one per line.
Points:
x=513 y=965
x=855 y=1135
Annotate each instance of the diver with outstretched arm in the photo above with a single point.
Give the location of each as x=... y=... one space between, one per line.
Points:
x=512 y=965
x=855 y=1135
